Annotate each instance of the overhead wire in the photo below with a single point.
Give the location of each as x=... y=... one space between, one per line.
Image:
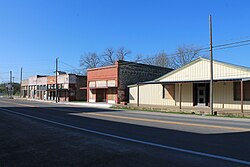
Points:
x=207 y=49
x=200 y=50
x=73 y=68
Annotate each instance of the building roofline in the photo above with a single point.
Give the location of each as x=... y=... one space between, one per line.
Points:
x=99 y=68
x=205 y=59
x=191 y=81
x=129 y=62
x=121 y=61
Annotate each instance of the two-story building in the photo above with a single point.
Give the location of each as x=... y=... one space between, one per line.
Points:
x=44 y=87
x=109 y=84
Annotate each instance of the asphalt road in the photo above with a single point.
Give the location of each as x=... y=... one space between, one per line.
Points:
x=48 y=134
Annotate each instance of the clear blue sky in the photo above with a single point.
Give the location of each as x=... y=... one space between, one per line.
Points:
x=34 y=32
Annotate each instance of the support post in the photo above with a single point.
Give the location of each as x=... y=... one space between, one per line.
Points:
x=89 y=90
x=241 y=95
x=211 y=66
x=56 y=80
x=180 y=93
x=138 y=95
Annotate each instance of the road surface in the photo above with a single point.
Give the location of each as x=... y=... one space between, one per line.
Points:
x=48 y=134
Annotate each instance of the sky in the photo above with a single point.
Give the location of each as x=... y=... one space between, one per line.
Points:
x=34 y=32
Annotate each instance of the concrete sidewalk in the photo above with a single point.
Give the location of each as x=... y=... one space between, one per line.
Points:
x=185 y=109
x=84 y=104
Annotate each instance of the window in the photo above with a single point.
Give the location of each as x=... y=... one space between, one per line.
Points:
x=246 y=91
x=169 y=91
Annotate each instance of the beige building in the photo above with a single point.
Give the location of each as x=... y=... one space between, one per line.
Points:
x=189 y=86
x=24 y=87
x=43 y=87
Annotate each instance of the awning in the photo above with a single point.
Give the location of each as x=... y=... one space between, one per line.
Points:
x=191 y=81
x=105 y=87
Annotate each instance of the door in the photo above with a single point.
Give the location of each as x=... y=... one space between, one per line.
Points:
x=100 y=95
x=201 y=94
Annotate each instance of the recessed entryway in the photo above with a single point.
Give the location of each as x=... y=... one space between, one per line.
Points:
x=201 y=94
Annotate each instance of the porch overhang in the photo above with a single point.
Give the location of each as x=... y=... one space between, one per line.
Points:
x=104 y=87
x=193 y=81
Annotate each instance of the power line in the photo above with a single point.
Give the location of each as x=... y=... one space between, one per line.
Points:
x=72 y=69
x=4 y=72
x=234 y=39
x=67 y=64
x=232 y=43
x=207 y=49
x=232 y=46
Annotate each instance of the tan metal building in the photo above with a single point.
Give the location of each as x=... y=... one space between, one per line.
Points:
x=189 y=86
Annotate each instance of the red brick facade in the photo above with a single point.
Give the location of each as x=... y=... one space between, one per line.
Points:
x=109 y=84
x=102 y=84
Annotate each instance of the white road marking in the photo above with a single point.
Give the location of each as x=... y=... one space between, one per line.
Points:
x=134 y=140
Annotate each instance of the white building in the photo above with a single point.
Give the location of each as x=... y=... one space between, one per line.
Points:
x=189 y=86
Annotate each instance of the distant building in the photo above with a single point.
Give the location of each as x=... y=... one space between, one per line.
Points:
x=68 y=87
x=32 y=86
x=44 y=87
x=109 y=84
x=24 y=88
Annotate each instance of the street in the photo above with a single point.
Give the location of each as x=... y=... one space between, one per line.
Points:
x=48 y=134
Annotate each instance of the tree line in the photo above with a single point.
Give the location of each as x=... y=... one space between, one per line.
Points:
x=184 y=54
x=4 y=89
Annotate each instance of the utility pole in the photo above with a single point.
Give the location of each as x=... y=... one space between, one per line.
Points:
x=56 y=80
x=10 y=86
x=21 y=78
x=211 y=65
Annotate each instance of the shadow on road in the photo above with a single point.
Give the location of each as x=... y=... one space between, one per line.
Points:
x=227 y=144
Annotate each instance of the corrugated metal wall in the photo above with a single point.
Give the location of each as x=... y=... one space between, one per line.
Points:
x=223 y=96
x=153 y=94
x=201 y=71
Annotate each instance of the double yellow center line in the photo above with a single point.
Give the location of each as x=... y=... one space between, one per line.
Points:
x=19 y=104
x=169 y=122
x=144 y=119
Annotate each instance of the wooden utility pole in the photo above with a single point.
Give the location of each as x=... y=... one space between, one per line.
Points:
x=21 y=78
x=10 y=77
x=10 y=86
x=211 y=66
x=56 y=80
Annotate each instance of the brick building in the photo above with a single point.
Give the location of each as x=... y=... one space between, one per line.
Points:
x=44 y=87
x=68 y=87
x=109 y=84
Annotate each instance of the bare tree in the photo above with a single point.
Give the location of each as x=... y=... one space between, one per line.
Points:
x=90 y=60
x=150 y=60
x=78 y=71
x=139 y=58
x=109 y=57
x=184 y=55
x=160 y=59
x=122 y=53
